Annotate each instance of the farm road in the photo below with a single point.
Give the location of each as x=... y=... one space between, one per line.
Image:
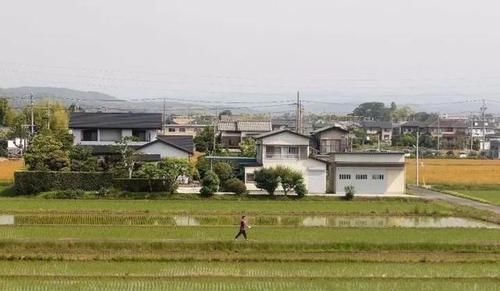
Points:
x=425 y=193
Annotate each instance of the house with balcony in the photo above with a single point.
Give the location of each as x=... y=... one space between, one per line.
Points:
x=383 y=130
x=330 y=139
x=452 y=133
x=101 y=130
x=289 y=149
x=233 y=132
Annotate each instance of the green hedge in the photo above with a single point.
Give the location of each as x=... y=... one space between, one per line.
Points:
x=31 y=182
x=145 y=185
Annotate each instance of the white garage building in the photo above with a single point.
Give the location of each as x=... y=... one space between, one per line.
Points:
x=368 y=172
x=289 y=149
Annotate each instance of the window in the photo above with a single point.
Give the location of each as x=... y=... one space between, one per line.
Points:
x=170 y=129
x=182 y=129
x=250 y=177
x=293 y=150
x=89 y=135
x=378 y=177
x=110 y=134
x=344 y=176
x=361 y=177
x=139 y=134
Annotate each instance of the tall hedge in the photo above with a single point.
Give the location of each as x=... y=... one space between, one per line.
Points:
x=32 y=182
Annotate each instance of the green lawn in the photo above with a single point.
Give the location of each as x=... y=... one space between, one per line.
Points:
x=210 y=206
x=261 y=234
x=492 y=196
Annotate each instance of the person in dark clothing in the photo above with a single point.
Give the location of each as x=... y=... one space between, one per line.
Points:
x=243 y=227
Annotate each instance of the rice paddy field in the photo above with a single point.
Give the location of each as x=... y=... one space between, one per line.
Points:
x=8 y=167
x=454 y=171
x=293 y=245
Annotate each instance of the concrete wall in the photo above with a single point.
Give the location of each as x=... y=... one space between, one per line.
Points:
x=372 y=158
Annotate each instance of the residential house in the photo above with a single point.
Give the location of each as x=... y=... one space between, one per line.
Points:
x=412 y=127
x=103 y=128
x=367 y=172
x=290 y=149
x=233 y=132
x=171 y=146
x=381 y=129
x=330 y=139
x=452 y=132
x=184 y=129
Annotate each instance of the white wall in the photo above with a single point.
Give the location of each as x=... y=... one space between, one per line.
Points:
x=393 y=182
x=370 y=158
x=163 y=150
x=285 y=138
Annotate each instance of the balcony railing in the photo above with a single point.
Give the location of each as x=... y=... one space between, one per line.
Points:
x=282 y=156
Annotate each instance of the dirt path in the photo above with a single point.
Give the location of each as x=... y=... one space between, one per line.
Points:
x=425 y=193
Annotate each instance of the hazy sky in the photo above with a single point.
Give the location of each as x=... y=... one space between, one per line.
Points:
x=330 y=50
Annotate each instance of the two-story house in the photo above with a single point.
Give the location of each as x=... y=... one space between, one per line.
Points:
x=233 y=132
x=330 y=139
x=289 y=149
x=381 y=129
x=102 y=130
x=412 y=127
x=452 y=133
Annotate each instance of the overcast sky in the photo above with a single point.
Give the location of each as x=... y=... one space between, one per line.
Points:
x=335 y=50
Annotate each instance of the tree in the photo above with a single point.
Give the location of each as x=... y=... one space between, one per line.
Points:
x=402 y=113
x=151 y=171
x=407 y=140
x=46 y=153
x=372 y=110
x=267 y=179
x=224 y=171
x=81 y=159
x=289 y=178
x=204 y=141
x=6 y=113
x=128 y=156
x=176 y=167
x=248 y=147
x=210 y=184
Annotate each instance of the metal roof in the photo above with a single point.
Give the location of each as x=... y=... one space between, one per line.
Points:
x=280 y=131
x=252 y=126
x=182 y=142
x=115 y=120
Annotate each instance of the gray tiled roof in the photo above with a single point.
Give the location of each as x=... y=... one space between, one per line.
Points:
x=184 y=142
x=453 y=123
x=115 y=120
x=226 y=126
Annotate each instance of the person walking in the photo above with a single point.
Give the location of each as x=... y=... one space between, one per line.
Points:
x=243 y=228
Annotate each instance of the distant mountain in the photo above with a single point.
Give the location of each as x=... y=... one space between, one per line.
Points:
x=67 y=96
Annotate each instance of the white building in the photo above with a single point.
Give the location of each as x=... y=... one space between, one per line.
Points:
x=289 y=149
x=367 y=172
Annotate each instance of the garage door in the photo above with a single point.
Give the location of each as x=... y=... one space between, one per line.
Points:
x=316 y=181
x=366 y=181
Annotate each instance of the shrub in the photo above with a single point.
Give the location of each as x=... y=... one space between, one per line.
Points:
x=236 y=186
x=210 y=184
x=349 y=192
x=224 y=171
x=267 y=179
x=46 y=153
x=145 y=185
x=300 y=189
x=31 y=182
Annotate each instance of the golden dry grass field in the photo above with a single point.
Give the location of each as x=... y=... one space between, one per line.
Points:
x=8 y=167
x=454 y=171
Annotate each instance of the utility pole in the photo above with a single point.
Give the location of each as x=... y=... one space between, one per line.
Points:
x=483 y=111
x=32 y=115
x=439 y=131
x=297 y=114
x=417 y=156
x=163 y=117
x=471 y=131
x=214 y=136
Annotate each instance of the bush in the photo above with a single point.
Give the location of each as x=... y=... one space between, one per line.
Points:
x=349 y=192
x=267 y=179
x=236 y=186
x=300 y=189
x=145 y=185
x=31 y=182
x=224 y=171
x=210 y=184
